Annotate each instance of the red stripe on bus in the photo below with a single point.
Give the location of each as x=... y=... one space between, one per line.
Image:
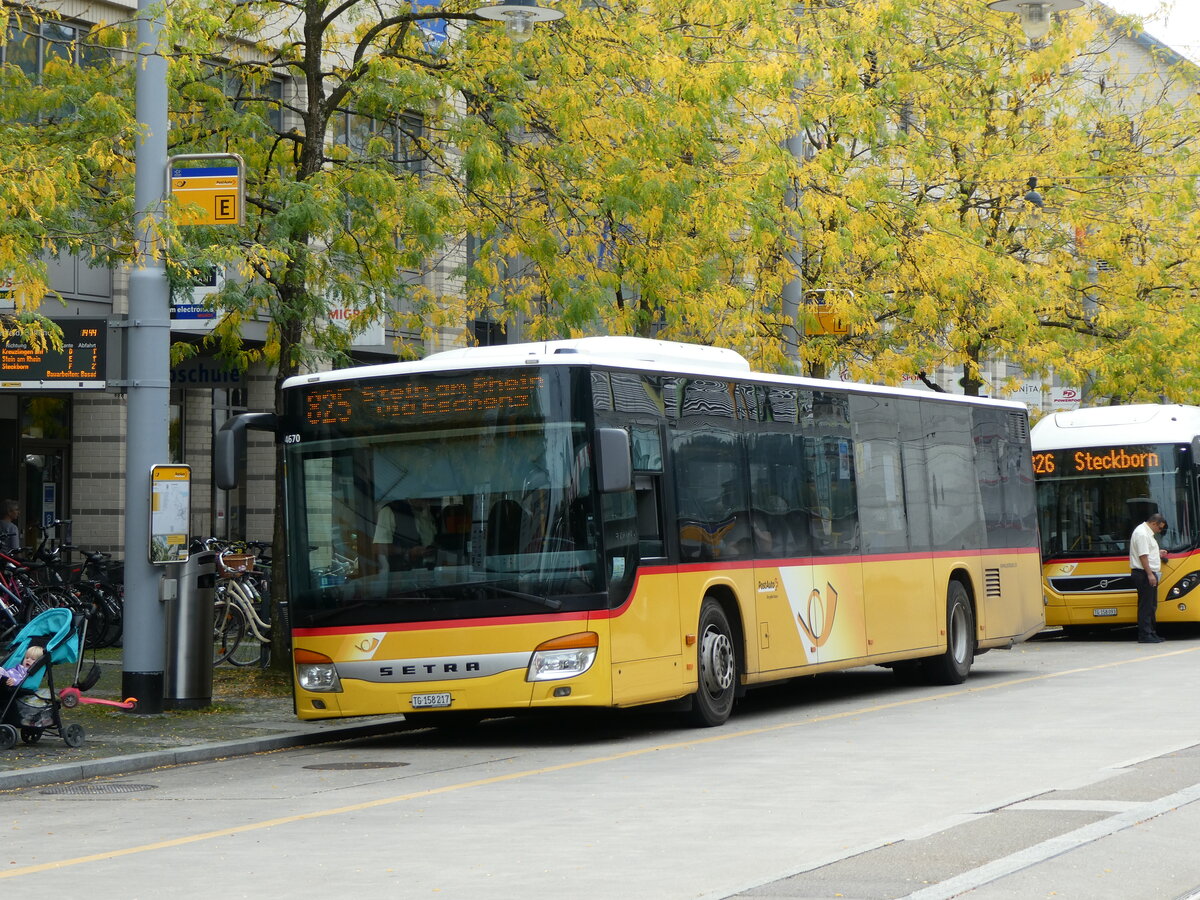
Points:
x=616 y=612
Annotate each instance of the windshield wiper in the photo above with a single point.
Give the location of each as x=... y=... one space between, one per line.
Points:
x=548 y=602
x=451 y=587
x=342 y=610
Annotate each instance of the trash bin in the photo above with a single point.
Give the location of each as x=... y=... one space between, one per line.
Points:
x=189 y=674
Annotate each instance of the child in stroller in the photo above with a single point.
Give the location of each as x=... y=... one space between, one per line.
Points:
x=14 y=676
x=58 y=634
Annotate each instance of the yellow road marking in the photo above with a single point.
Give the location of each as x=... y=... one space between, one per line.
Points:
x=561 y=767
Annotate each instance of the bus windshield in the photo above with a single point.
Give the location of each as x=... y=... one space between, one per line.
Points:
x=1090 y=500
x=461 y=522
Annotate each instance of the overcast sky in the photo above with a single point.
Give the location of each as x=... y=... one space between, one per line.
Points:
x=1178 y=28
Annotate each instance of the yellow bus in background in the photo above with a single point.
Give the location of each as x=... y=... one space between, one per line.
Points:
x=1100 y=472
x=611 y=522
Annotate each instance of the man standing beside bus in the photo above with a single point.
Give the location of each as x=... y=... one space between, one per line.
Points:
x=1145 y=561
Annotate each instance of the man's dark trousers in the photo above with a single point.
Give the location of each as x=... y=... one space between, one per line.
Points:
x=1147 y=605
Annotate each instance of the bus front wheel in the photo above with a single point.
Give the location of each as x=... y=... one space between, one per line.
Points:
x=953 y=666
x=716 y=664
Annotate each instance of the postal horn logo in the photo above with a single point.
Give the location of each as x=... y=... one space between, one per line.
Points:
x=821 y=611
x=366 y=645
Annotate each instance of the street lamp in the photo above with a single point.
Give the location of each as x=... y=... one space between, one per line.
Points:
x=519 y=17
x=1034 y=14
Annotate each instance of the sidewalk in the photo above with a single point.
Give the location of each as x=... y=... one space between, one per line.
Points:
x=251 y=713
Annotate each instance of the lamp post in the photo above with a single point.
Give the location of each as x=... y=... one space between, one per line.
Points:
x=148 y=394
x=1034 y=14
x=519 y=17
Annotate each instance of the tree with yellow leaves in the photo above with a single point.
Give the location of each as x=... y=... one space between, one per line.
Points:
x=62 y=116
x=969 y=197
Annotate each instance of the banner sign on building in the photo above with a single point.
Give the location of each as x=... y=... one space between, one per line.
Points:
x=206 y=372
x=191 y=306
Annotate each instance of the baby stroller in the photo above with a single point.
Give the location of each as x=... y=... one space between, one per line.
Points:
x=28 y=708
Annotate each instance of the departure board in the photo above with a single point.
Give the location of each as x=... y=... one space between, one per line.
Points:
x=79 y=365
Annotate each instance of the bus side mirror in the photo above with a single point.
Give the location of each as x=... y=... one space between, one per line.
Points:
x=1196 y=449
x=614 y=462
x=229 y=446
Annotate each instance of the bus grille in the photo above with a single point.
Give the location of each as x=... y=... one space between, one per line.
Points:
x=1092 y=584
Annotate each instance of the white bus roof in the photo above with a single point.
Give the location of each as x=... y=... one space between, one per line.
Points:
x=614 y=352
x=1110 y=426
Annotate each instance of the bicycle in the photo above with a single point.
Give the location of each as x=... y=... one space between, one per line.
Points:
x=241 y=609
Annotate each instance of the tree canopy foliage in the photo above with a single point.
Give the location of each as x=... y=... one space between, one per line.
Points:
x=627 y=170
x=931 y=124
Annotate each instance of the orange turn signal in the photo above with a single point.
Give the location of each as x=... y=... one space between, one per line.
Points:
x=309 y=657
x=572 y=641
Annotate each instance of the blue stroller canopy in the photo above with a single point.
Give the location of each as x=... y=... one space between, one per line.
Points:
x=62 y=644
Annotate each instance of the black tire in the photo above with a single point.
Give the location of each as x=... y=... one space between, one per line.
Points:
x=74 y=735
x=953 y=666
x=91 y=604
x=110 y=601
x=229 y=627
x=8 y=737
x=716 y=667
x=31 y=735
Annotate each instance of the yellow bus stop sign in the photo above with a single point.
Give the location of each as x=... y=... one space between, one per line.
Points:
x=207 y=196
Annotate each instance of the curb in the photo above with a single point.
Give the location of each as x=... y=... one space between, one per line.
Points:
x=153 y=759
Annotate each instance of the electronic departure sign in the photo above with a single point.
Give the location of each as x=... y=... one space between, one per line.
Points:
x=426 y=399
x=79 y=365
x=1101 y=460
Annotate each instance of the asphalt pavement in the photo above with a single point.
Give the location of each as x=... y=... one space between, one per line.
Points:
x=250 y=713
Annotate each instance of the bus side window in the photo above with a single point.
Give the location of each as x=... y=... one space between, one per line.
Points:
x=650 y=534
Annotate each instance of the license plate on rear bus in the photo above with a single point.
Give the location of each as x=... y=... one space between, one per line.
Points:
x=430 y=701
x=1105 y=611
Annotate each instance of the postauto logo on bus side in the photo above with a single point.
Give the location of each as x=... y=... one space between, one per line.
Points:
x=819 y=624
x=814 y=610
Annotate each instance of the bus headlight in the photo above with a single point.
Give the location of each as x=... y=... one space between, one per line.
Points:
x=316 y=672
x=1185 y=584
x=563 y=657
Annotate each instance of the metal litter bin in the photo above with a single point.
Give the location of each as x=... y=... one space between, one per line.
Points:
x=189 y=674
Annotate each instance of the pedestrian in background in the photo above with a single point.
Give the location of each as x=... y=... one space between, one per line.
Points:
x=10 y=536
x=1145 y=562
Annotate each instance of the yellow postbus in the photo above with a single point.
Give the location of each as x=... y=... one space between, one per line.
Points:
x=611 y=522
x=1100 y=472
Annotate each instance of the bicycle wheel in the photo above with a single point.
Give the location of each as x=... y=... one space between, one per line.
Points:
x=253 y=650
x=229 y=627
x=111 y=600
x=249 y=652
x=91 y=604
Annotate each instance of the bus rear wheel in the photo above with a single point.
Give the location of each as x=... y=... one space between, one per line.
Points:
x=953 y=666
x=716 y=664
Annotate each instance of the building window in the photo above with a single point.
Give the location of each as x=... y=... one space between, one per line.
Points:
x=398 y=139
x=31 y=45
x=488 y=334
x=45 y=418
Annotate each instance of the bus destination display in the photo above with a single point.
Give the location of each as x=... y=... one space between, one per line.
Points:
x=79 y=364
x=1097 y=460
x=425 y=398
